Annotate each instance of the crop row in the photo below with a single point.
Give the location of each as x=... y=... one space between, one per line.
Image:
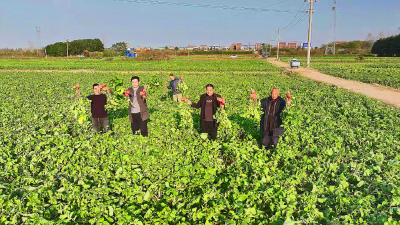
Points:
x=337 y=162
x=129 y=65
x=344 y=59
x=383 y=71
x=364 y=73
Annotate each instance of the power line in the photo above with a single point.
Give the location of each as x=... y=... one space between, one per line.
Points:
x=296 y=18
x=265 y=7
x=298 y=21
x=156 y=2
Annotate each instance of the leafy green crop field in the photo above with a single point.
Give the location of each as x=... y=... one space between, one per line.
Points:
x=132 y=65
x=383 y=71
x=338 y=162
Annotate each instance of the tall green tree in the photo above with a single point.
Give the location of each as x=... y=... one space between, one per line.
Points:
x=75 y=47
x=120 y=47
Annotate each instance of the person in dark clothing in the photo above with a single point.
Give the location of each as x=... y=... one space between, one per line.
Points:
x=209 y=103
x=99 y=113
x=173 y=85
x=271 y=122
x=138 y=108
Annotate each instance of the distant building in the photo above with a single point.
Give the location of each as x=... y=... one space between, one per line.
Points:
x=236 y=46
x=192 y=47
x=282 y=44
x=171 y=47
x=203 y=47
x=214 y=47
x=128 y=46
x=292 y=45
x=258 y=46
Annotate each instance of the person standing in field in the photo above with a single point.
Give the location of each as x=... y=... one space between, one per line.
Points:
x=99 y=113
x=138 y=107
x=209 y=103
x=173 y=84
x=271 y=122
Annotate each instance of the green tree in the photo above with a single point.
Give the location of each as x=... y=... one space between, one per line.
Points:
x=119 y=47
x=75 y=47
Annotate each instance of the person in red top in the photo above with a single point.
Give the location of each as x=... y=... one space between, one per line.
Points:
x=209 y=103
x=99 y=113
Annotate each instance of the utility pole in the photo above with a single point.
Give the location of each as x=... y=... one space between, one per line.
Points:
x=188 y=52
x=334 y=26
x=270 y=47
x=67 y=39
x=309 y=33
x=279 y=34
x=38 y=37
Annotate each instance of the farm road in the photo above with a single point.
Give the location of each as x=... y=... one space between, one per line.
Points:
x=138 y=71
x=382 y=93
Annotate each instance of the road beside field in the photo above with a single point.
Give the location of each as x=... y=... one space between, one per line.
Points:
x=382 y=93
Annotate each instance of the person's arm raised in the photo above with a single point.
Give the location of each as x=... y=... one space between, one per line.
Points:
x=195 y=105
x=288 y=102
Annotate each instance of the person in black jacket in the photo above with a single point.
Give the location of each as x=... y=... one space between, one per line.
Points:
x=271 y=122
x=99 y=112
x=209 y=103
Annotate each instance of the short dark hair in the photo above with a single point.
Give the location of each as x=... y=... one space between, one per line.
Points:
x=171 y=75
x=135 y=77
x=94 y=85
x=209 y=85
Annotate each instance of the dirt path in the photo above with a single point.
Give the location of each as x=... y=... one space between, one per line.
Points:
x=140 y=71
x=382 y=93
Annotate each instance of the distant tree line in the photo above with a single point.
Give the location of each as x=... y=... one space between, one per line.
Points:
x=389 y=46
x=76 y=47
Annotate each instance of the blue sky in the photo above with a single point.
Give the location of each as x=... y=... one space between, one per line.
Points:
x=161 y=25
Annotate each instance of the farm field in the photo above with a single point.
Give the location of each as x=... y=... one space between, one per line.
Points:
x=383 y=71
x=337 y=163
x=124 y=64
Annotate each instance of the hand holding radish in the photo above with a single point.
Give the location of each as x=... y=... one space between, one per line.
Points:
x=253 y=95
x=288 y=102
x=221 y=102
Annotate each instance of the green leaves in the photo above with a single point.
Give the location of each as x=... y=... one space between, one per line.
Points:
x=337 y=161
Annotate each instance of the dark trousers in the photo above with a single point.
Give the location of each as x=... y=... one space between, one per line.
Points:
x=96 y=122
x=270 y=139
x=138 y=124
x=211 y=128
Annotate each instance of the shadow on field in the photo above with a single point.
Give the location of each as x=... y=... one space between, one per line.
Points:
x=250 y=126
x=167 y=96
x=117 y=114
x=196 y=122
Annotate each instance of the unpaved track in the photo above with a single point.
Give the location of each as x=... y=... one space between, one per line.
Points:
x=385 y=94
x=140 y=71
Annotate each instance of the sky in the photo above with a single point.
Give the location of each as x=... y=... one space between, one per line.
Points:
x=165 y=25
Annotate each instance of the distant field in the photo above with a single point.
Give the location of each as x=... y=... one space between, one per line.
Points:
x=120 y=64
x=379 y=70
